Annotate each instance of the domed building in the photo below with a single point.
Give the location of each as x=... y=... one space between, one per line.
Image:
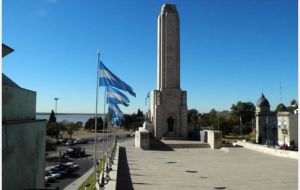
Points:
x=266 y=122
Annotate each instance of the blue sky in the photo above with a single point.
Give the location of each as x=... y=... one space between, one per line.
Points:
x=230 y=50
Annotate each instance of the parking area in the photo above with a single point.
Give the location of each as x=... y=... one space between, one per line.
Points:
x=84 y=162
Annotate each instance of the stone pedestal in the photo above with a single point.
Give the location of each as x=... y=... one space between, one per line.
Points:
x=142 y=139
x=169 y=113
x=148 y=126
x=214 y=138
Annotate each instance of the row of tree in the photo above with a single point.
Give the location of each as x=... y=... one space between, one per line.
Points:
x=239 y=120
x=130 y=121
x=55 y=129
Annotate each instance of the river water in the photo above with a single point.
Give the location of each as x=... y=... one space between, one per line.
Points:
x=68 y=117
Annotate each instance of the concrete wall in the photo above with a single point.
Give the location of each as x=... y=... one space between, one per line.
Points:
x=18 y=103
x=23 y=154
x=294 y=128
x=142 y=139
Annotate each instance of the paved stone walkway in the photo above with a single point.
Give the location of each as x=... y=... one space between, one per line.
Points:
x=203 y=168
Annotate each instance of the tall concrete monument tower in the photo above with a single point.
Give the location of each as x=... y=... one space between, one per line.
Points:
x=168 y=102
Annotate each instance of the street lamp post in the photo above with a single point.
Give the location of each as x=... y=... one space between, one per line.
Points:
x=56 y=104
x=267 y=130
x=218 y=121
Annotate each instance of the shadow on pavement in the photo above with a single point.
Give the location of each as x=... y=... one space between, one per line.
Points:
x=158 y=145
x=123 y=176
x=231 y=145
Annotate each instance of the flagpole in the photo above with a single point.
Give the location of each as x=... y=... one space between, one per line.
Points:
x=104 y=111
x=96 y=117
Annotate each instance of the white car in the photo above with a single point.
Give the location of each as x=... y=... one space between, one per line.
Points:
x=71 y=164
x=100 y=138
x=49 y=176
x=132 y=134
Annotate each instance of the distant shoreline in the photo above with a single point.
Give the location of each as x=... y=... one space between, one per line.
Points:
x=48 y=113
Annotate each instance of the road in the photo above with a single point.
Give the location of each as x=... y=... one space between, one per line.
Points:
x=84 y=163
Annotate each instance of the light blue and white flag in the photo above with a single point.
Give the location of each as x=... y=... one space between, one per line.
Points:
x=115 y=111
x=116 y=97
x=107 y=78
x=117 y=120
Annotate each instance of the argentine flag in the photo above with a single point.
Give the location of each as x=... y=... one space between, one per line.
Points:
x=115 y=111
x=116 y=97
x=107 y=78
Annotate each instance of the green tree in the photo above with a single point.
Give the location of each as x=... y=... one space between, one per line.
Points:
x=71 y=128
x=128 y=120
x=133 y=121
x=140 y=113
x=244 y=111
x=293 y=106
x=193 y=116
x=90 y=124
x=52 y=117
x=204 y=120
x=280 y=107
x=52 y=129
x=242 y=115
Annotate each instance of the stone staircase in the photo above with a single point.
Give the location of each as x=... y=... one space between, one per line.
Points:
x=166 y=145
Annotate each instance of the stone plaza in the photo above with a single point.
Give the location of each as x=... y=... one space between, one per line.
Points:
x=203 y=168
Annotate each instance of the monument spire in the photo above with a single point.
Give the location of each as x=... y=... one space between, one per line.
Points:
x=168 y=57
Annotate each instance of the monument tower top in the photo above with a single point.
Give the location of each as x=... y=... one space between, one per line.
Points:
x=168 y=8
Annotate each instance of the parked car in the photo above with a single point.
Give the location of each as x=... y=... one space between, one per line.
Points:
x=65 y=168
x=71 y=164
x=75 y=151
x=69 y=143
x=58 y=170
x=49 y=177
x=100 y=138
x=80 y=141
x=53 y=174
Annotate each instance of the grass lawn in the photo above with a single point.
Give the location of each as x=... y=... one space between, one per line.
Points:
x=91 y=179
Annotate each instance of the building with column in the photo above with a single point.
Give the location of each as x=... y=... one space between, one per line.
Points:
x=266 y=122
x=275 y=128
x=23 y=137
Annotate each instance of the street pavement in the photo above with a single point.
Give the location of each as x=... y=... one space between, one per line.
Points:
x=203 y=168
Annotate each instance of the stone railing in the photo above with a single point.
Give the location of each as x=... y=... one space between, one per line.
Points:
x=107 y=179
x=268 y=150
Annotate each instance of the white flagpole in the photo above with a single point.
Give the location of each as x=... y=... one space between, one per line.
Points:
x=96 y=116
x=105 y=115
